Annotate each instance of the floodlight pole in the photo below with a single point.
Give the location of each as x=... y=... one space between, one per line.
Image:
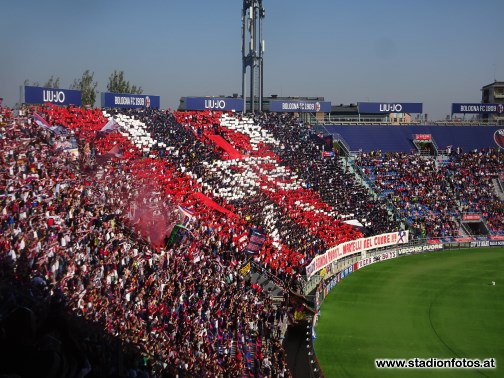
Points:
x=252 y=52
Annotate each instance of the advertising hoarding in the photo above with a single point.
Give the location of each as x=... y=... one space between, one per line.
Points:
x=126 y=100
x=389 y=107
x=42 y=95
x=299 y=106
x=469 y=108
x=214 y=103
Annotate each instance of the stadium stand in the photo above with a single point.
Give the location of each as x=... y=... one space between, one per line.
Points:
x=471 y=175
x=138 y=222
x=398 y=138
x=68 y=233
x=432 y=195
x=417 y=187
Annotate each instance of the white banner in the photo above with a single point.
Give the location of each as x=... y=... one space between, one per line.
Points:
x=371 y=260
x=355 y=246
x=419 y=249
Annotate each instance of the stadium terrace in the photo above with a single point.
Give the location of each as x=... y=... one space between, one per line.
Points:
x=188 y=242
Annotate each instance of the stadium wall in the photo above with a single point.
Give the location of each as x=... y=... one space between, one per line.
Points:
x=399 y=138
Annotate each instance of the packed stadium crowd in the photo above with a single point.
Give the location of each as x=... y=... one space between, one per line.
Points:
x=186 y=307
x=432 y=196
x=472 y=176
x=352 y=200
x=140 y=226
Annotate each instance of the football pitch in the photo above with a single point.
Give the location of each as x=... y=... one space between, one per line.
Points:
x=434 y=305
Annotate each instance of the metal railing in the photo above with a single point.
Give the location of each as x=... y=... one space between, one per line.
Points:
x=379 y=121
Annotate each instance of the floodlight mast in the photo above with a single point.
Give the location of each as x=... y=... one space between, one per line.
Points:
x=252 y=53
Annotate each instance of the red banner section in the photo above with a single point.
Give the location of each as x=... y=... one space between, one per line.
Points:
x=224 y=144
x=471 y=217
x=212 y=204
x=464 y=240
x=423 y=137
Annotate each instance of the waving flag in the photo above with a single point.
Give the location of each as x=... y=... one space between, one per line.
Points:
x=187 y=214
x=59 y=130
x=41 y=121
x=110 y=126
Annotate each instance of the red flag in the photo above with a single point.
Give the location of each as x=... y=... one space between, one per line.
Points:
x=116 y=152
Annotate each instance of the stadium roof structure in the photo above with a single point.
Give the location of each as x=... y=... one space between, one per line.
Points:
x=495 y=83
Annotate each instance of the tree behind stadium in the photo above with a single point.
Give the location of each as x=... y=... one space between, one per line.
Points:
x=51 y=83
x=117 y=84
x=87 y=86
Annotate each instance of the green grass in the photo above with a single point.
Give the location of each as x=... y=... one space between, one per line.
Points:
x=438 y=304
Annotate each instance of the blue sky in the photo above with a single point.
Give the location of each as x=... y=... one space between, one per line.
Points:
x=431 y=51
